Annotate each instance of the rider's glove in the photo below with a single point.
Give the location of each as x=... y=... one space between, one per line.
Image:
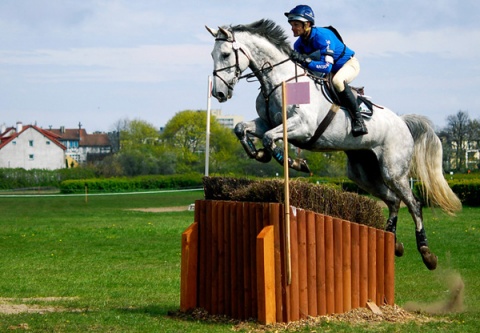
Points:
x=302 y=59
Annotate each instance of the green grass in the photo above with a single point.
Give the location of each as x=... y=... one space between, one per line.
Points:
x=121 y=269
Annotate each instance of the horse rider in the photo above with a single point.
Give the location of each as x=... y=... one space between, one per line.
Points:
x=321 y=50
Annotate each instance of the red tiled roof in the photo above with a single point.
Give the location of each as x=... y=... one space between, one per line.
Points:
x=52 y=136
x=83 y=138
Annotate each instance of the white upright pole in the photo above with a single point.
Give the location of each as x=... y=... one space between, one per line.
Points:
x=207 y=141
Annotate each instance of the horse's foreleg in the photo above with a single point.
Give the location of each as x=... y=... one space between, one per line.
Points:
x=260 y=155
x=298 y=164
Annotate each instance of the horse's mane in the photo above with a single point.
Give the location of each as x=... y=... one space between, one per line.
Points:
x=267 y=29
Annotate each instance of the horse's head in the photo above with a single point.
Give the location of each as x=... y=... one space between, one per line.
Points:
x=230 y=59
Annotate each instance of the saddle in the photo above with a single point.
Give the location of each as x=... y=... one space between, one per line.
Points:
x=363 y=101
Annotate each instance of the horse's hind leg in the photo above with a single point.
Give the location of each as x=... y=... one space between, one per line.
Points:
x=400 y=184
x=364 y=170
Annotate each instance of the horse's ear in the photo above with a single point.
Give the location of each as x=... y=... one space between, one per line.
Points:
x=212 y=31
x=227 y=33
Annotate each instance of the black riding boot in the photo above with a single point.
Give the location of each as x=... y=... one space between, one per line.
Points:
x=348 y=100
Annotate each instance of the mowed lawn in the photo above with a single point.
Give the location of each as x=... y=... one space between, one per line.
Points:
x=94 y=265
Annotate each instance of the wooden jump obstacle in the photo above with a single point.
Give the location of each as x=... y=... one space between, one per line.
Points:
x=233 y=263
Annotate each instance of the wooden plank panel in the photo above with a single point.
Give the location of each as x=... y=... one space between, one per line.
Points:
x=347 y=265
x=311 y=265
x=380 y=267
x=372 y=264
x=338 y=263
x=274 y=211
x=321 y=267
x=214 y=265
x=201 y=206
x=294 y=287
x=390 y=268
x=302 y=263
x=221 y=257
x=265 y=259
x=355 y=258
x=189 y=264
x=239 y=293
x=329 y=265
x=227 y=256
x=247 y=253
x=364 y=265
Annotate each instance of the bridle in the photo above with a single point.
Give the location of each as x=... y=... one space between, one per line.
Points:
x=236 y=46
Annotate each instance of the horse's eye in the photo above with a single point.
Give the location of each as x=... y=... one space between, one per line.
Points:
x=225 y=55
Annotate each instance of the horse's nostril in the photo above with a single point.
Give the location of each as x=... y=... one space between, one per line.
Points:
x=220 y=95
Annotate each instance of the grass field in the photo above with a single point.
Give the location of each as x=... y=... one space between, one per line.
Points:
x=96 y=266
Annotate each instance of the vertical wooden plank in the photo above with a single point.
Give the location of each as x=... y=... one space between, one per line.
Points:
x=209 y=255
x=294 y=287
x=227 y=257
x=364 y=265
x=338 y=264
x=221 y=257
x=275 y=209
x=321 y=267
x=255 y=220
x=390 y=268
x=355 y=258
x=239 y=292
x=266 y=275
x=189 y=264
x=372 y=264
x=247 y=291
x=214 y=269
x=311 y=265
x=380 y=267
x=347 y=265
x=201 y=207
x=302 y=263
x=233 y=259
x=330 y=265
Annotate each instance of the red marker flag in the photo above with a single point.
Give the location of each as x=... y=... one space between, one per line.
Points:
x=298 y=92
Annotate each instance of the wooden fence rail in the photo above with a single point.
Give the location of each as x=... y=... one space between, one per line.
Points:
x=233 y=263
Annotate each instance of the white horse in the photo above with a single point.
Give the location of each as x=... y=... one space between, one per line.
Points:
x=380 y=162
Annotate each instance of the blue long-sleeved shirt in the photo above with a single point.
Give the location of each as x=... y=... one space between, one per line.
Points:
x=325 y=41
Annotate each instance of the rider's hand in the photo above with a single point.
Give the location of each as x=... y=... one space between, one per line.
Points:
x=302 y=59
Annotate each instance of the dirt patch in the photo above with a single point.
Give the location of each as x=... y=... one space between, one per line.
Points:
x=12 y=306
x=360 y=317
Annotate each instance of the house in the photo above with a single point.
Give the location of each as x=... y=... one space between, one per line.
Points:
x=83 y=147
x=30 y=147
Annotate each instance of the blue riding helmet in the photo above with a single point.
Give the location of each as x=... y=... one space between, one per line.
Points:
x=301 y=13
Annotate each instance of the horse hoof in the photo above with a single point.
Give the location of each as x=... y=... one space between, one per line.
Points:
x=263 y=156
x=300 y=165
x=429 y=259
x=399 y=249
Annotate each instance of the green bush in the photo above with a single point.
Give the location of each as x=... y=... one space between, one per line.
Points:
x=468 y=190
x=139 y=183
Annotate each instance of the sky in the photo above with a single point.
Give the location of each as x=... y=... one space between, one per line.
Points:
x=98 y=62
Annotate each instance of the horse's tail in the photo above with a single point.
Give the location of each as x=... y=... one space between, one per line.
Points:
x=427 y=164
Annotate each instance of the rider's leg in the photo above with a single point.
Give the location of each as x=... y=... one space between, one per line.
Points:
x=350 y=102
x=345 y=75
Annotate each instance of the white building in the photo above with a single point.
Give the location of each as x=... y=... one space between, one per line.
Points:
x=30 y=147
x=228 y=121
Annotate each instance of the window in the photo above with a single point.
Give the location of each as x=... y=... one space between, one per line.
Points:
x=48 y=142
x=30 y=157
x=30 y=143
x=14 y=142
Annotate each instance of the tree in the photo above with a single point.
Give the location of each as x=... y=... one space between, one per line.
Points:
x=457 y=135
